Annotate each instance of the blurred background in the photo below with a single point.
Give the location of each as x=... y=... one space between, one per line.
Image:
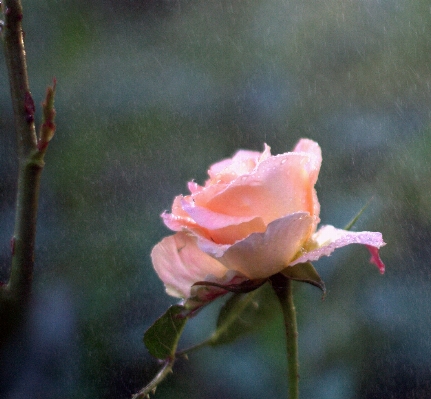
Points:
x=150 y=93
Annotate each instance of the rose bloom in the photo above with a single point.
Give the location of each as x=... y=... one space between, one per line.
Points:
x=256 y=215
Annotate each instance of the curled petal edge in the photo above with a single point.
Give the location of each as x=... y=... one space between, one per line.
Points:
x=375 y=258
x=328 y=238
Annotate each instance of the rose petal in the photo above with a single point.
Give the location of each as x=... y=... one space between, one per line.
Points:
x=312 y=149
x=261 y=255
x=194 y=187
x=279 y=186
x=179 y=218
x=208 y=219
x=180 y=263
x=220 y=228
x=231 y=234
x=242 y=162
x=328 y=238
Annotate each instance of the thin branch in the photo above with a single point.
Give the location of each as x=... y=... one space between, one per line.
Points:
x=22 y=102
x=145 y=392
x=15 y=294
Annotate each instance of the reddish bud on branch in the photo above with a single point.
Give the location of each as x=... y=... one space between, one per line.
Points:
x=47 y=129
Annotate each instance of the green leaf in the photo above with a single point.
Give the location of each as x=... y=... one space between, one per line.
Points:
x=161 y=339
x=241 y=314
x=356 y=217
x=306 y=273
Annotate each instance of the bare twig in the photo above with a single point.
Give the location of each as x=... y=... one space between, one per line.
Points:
x=15 y=294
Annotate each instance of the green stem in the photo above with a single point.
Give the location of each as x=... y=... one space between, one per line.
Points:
x=193 y=348
x=15 y=294
x=283 y=289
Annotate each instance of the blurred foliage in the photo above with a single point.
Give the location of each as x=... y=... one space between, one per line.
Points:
x=150 y=93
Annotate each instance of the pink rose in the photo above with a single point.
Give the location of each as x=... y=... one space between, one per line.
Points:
x=256 y=215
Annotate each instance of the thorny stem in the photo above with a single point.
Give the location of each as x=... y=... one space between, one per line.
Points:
x=213 y=339
x=151 y=387
x=283 y=289
x=15 y=294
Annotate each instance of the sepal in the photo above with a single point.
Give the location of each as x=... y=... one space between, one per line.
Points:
x=203 y=292
x=306 y=273
x=241 y=288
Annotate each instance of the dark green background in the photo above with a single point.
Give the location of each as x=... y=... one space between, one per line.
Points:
x=150 y=93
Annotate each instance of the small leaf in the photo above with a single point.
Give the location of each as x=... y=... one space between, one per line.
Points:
x=306 y=273
x=161 y=339
x=356 y=217
x=241 y=314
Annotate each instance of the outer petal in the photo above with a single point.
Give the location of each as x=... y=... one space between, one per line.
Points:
x=180 y=263
x=261 y=255
x=328 y=238
x=179 y=218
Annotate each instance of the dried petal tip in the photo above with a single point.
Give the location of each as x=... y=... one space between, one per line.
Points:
x=375 y=258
